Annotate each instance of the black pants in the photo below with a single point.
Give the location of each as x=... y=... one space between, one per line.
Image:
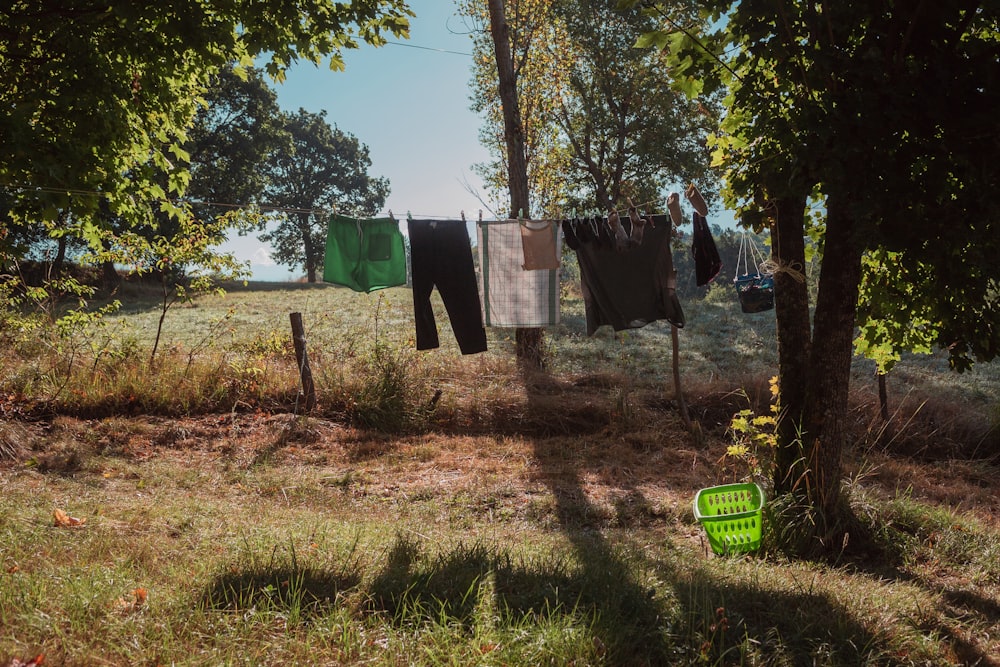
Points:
x=441 y=256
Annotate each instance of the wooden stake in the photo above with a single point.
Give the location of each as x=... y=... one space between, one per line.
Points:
x=302 y=359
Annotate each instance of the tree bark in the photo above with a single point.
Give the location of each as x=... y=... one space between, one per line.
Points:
x=307 y=245
x=110 y=277
x=529 y=343
x=791 y=305
x=828 y=382
x=517 y=164
x=883 y=397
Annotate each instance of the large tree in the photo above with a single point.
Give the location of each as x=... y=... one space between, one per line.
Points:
x=321 y=170
x=886 y=111
x=575 y=117
x=599 y=120
x=99 y=94
x=232 y=138
x=628 y=133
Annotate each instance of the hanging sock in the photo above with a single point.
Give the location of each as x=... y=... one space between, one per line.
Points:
x=638 y=227
x=674 y=206
x=621 y=236
x=697 y=201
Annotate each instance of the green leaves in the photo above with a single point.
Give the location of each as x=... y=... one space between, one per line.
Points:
x=103 y=96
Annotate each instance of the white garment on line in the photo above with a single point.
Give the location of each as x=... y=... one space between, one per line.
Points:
x=510 y=295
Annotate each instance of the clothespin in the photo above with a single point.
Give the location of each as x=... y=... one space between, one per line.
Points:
x=480 y=216
x=409 y=216
x=391 y=216
x=463 y=215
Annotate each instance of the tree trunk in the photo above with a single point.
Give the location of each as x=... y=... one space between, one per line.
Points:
x=112 y=281
x=791 y=305
x=517 y=164
x=883 y=397
x=309 y=250
x=529 y=342
x=60 y=259
x=828 y=382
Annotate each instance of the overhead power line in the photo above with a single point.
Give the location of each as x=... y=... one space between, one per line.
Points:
x=428 y=48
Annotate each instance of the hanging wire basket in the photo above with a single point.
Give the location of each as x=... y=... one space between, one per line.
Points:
x=755 y=290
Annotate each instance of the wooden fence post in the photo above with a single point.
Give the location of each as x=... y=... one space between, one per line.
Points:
x=302 y=359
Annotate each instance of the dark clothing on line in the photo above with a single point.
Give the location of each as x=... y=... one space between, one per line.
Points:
x=630 y=289
x=569 y=234
x=707 y=263
x=441 y=256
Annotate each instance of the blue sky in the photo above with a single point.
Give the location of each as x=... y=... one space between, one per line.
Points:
x=408 y=101
x=410 y=106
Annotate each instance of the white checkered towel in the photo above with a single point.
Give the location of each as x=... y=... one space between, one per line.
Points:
x=510 y=295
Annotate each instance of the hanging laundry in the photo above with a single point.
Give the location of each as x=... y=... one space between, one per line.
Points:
x=365 y=255
x=674 y=206
x=569 y=228
x=707 y=262
x=512 y=296
x=638 y=227
x=630 y=289
x=621 y=236
x=539 y=240
x=441 y=256
x=697 y=201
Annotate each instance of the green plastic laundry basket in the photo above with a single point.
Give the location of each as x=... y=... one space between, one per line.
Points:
x=731 y=515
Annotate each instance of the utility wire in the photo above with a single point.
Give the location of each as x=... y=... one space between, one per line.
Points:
x=428 y=48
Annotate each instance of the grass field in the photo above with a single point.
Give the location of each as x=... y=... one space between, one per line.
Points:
x=519 y=519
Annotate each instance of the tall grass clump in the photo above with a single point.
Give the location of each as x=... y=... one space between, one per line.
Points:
x=372 y=380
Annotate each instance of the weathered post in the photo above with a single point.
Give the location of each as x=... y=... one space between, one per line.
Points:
x=302 y=359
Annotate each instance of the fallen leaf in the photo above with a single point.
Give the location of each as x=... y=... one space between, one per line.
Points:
x=12 y=569
x=34 y=662
x=62 y=520
x=135 y=599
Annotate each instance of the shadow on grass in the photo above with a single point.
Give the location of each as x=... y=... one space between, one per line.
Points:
x=307 y=592
x=596 y=590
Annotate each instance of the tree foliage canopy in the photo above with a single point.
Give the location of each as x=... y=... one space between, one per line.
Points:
x=230 y=141
x=99 y=94
x=322 y=169
x=600 y=120
x=889 y=111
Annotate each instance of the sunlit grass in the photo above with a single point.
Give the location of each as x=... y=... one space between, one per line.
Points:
x=258 y=563
x=513 y=520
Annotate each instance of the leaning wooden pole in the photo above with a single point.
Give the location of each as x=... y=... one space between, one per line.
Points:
x=302 y=359
x=682 y=407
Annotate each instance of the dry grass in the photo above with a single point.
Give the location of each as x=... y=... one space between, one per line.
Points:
x=514 y=520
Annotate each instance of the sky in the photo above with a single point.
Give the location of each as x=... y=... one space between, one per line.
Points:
x=409 y=103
